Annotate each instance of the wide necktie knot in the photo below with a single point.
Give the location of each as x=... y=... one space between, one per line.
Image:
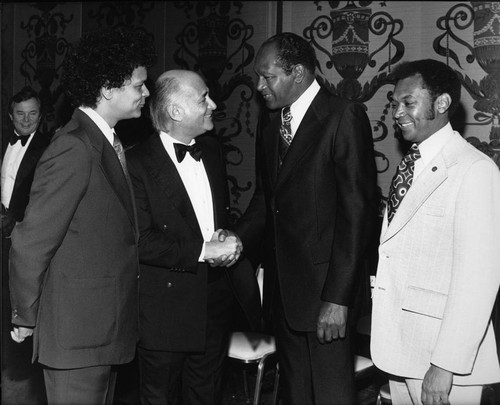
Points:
x=181 y=150
x=285 y=132
x=14 y=138
x=413 y=154
x=402 y=181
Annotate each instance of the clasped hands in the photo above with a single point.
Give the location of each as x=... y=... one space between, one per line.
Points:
x=19 y=333
x=224 y=248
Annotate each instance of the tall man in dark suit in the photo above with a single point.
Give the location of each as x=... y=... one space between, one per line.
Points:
x=21 y=150
x=186 y=302
x=74 y=260
x=314 y=206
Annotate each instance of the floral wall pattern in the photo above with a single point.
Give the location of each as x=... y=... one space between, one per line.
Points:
x=357 y=44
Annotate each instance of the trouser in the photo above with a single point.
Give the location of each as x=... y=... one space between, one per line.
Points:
x=81 y=386
x=311 y=372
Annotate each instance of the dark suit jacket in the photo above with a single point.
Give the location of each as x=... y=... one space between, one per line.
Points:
x=74 y=259
x=318 y=212
x=25 y=173
x=173 y=284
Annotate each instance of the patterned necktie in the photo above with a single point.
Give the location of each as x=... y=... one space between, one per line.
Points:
x=402 y=181
x=117 y=145
x=285 y=133
x=181 y=149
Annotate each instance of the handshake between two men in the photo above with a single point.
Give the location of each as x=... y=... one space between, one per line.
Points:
x=224 y=248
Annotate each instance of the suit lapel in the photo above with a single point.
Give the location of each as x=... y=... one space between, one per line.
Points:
x=270 y=141
x=212 y=162
x=433 y=175
x=163 y=171
x=109 y=163
x=421 y=189
x=30 y=159
x=114 y=172
x=308 y=134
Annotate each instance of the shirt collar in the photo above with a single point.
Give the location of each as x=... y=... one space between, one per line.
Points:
x=299 y=107
x=167 y=138
x=432 y=145
x=100 y=122
x=30 y=135
x=168 y=143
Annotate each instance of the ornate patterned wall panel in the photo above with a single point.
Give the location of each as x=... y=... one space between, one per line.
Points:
x=146 y=15
x=6 y=36
x=41 y=34
x=358 y=42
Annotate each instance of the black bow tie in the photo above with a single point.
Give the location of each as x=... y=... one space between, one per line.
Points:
x=181 y=149
x=14 y=138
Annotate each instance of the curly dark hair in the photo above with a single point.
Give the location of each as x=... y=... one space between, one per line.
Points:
x=105 y=58
x=292 y=50
x=437 y=78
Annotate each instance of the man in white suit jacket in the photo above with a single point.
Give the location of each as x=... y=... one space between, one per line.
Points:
x=439 y=257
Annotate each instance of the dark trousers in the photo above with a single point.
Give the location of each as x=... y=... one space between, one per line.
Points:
x=311 y=372
x=81 y=386
x=191 y=378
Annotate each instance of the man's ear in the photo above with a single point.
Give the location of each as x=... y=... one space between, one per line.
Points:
x=175 y=112
x=443 y=102
x=299 y=72
x=106 y=93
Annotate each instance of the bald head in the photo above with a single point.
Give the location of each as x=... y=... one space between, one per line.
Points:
x=181 y=105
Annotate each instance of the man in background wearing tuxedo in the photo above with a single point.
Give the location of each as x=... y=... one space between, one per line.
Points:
x=21 y=150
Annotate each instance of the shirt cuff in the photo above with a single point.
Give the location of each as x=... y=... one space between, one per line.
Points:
x=202 y=254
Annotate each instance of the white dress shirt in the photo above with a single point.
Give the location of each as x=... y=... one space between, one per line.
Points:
x=100 y=122
x=299 y=107
x=195 y=180
x=430 y=148
x=11 y=161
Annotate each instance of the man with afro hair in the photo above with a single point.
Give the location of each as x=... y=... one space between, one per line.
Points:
x=73 y=265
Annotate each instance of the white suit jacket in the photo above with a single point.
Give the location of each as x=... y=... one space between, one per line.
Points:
x=439 y=271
